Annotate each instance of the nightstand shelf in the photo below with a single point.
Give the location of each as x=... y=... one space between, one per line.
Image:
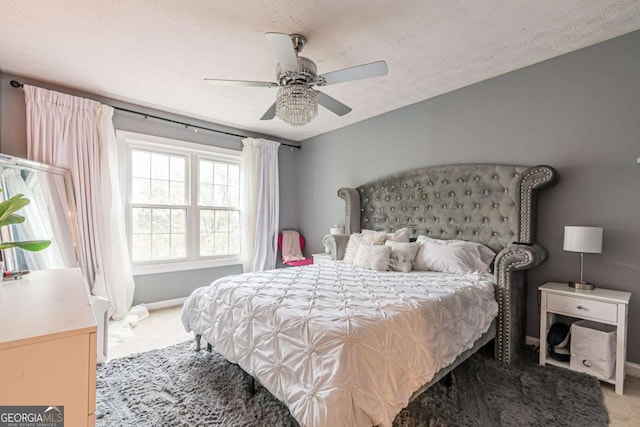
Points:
x=598 y=305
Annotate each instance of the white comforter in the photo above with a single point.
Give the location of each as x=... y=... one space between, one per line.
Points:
x=342 y=346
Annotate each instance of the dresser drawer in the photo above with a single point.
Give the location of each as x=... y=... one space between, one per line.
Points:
x=583 y=308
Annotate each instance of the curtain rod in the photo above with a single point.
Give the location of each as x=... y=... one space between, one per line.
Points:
x=17 y=84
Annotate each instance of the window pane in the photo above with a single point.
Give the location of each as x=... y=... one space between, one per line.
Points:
x=206 y=244
x=160 y=220
x=220 y=173
x=234 y=197
x=140 y=220
x=178 y=245
x=222 y=221
x=234 y=175
x=140 y=247
x=140 y=190
x=176 y=193
x=178 y=220
x=206 y=194
x=219 y=195
x=140 y=164
x=207 y=223
x=159 y=166
x=234 y=221
x=159 y=192
x=206 y=172
x=221 y=243
x=176 y=168
x=160 y=246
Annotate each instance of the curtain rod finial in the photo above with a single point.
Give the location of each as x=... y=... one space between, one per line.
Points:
x=15 y=83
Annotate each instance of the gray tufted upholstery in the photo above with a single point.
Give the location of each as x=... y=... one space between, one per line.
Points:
x=490 y=204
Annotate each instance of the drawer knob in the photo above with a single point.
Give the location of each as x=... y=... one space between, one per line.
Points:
x=579 y=307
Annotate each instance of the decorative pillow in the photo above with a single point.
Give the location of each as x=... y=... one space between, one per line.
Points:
x=402 y=255
x=367 y=238
x=452 y=256
x=352 y=248
x=373 y=257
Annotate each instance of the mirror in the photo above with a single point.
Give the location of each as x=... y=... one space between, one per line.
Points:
x=49 y=216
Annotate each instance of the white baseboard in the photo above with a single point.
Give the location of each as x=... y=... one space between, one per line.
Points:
x=632 y=369
x=165 y=304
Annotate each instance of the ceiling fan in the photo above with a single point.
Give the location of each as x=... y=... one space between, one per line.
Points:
x=297 y=101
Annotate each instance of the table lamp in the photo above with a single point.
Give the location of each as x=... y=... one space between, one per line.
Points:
x=583 y=240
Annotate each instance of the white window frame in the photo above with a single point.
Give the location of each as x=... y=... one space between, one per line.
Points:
x=128 y=141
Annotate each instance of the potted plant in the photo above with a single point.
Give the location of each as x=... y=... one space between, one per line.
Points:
x=8 y=216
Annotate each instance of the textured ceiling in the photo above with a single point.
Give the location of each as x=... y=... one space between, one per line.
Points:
x=156 y=52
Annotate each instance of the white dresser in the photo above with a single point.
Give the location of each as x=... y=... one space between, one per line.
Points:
x=48 y=344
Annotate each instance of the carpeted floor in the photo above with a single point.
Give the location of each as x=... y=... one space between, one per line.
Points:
x=176 y=386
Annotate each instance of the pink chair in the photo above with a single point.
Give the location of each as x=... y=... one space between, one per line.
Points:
x=305 y=261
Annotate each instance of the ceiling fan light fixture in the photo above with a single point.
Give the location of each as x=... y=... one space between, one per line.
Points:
x=297 y=105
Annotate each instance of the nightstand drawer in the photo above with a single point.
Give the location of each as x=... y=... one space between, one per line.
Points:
x=583 y=308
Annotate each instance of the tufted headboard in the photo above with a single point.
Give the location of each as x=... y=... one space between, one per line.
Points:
x=489 y=204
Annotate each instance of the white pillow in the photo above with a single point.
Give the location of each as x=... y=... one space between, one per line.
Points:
x=402 y=255
x=452 y=256
x=373 y=257
x=356 y=239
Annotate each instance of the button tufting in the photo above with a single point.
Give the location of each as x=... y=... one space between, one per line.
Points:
x=495 y=205
x=468 y=193
x=451 y=194
x=477 y=178
x=404 y=185
x=460 y=180
x=392 y=208
x=444 y=181
x=444 y=206
x=404 y=208
x=430 y=207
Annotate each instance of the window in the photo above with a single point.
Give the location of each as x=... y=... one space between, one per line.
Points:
x=183 y=204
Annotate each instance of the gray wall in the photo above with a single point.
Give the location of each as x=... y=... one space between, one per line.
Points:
x=579 y=113
x=154 y=287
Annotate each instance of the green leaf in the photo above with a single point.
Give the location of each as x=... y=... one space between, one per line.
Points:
x=11 y=205
x=29 y=245
x=14 y=219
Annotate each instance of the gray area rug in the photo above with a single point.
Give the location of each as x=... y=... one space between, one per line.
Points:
x=177 y=386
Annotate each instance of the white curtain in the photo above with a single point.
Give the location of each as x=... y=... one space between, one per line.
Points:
x=260 y=199
x=77 y=134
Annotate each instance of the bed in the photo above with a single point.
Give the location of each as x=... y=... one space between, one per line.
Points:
x=341 y=345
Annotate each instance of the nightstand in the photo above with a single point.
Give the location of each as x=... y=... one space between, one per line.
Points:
x=321 y=258
x=598 y=305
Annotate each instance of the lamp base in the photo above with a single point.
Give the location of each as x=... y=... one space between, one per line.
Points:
x=585 y=286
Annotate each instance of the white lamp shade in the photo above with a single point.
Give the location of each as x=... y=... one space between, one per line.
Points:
x=583 y=239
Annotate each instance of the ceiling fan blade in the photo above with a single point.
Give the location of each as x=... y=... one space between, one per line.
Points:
x=374 y=69
x=284 y=50
x=333 y=104
x=218 y=82
x=270 y=113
